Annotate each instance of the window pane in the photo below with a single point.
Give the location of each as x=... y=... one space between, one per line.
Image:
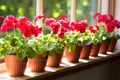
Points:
x=56 y=8
x=17 y=8
x=86 y=9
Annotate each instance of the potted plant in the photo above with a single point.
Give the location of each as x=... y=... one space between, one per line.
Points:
x=108 y=26
x=87 y=44
x=14 y=46
x=37 y=47
x=55 y=49
x=55 y=41
x=37 y=61
x=114 y=36
x=72 y=49
x=72 y=40
x=96 y=39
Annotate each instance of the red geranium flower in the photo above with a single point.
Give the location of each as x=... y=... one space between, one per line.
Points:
x=10 y=18
x=64 y=22
x=84 y=23
x=61 y=35
x=55 y=27
x=21 y=22
x=80 y=26
x=59 y=27
x=48 y=21
x=115 y=23
x=110 y=16
x=110 y=27
x=105 y=18
x=3 y=29
x=93 y=28
x=96 y=15
x=27 y=31
x=102 y=18
x=38 y=17
x=8 y=23
x=36 y=31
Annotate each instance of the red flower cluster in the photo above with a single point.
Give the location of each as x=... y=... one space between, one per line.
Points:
x=48 y=21
x=105 y=18
x=63 y=25
x=38 y=17
x=8 y=23
x=94 y=28
x=108 y=20
x=22 y=23
x=27 y=28
x=58 y=26
x=80 y=26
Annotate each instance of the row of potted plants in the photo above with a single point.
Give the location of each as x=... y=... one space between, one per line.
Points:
x=74 y=40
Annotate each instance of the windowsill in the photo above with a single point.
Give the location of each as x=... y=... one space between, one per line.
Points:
x=64 y=69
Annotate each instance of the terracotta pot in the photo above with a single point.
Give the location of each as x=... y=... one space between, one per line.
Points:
x=54 y=61
x=95 y=49
x=85 y=52
x=112 y=45
x=15 y=67
x=38 y=63
x=74 y=55
x=104 y=46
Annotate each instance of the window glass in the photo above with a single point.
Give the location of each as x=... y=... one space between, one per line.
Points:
x=17 y=8
x=56 y=8
x=86 y=9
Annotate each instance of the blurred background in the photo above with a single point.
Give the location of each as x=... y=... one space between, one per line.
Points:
x=52 y=8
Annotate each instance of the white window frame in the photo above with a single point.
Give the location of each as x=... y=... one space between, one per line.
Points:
x=39 y=11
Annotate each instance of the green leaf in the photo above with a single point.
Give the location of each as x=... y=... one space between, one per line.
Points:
x=111 y=35
x=21 y=54
x=1 y=56
x=60 y=51
x=88 y=42
x=30 y=52
x=13 y=41
x=42 y=46
x=41 y=51
x=52 y=53
x=51 y=46
x=71 y=48
x=71 y=40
